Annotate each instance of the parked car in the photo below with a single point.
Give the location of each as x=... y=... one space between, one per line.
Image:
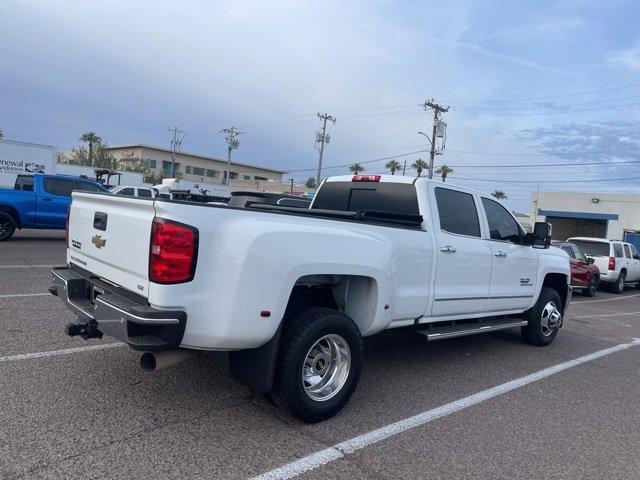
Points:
x=585 y=275
x=142 y=192
x=40 y=201
x=618 y=262
x=243 y=199
x=291 y=292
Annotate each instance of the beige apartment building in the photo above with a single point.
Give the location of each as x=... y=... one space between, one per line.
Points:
x=199 y=168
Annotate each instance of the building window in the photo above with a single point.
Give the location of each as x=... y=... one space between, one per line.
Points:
x=198 y=171
x=233 y=175
x=152 y=163
x=246 y=177
x=187 y=169
x=256 y=177
x=167 y=168
x=212 y=173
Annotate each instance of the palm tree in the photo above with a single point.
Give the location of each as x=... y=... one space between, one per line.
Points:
x=91 y=138
x=392 y=165
x=419 y=165
x=499 y=194
x=443 y=171
x=356 y=168
x=311 y=182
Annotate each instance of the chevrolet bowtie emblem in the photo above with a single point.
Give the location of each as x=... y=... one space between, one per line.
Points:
x=98 y=241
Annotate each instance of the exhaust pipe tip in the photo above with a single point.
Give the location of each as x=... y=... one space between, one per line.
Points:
x=154 y=361
x=148 y=362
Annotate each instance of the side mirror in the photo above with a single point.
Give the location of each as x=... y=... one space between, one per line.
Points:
x=541 y=237
x=590 y=261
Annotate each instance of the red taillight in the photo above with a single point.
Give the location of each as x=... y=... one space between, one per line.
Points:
x=612 y=263
x=66 y=228
x=174 y=250
x=366 y=178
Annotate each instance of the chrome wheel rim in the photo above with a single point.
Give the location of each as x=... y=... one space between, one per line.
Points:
x=326 y=367
x=550 y=318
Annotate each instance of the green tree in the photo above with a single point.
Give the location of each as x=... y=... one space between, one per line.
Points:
x=310 y=183
x=1 y=133
x=443 y=171
x=91 y=139
x=356 y=168
x=392 y=165
x=99 y=156
x=419 y=165
x=499 y=194
x=132 y=163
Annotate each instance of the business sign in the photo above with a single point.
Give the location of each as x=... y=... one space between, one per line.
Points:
x=20 y=166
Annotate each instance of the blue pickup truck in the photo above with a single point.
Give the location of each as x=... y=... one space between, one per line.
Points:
x=40 y=201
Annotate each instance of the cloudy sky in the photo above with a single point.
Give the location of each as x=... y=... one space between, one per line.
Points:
x=545 y=92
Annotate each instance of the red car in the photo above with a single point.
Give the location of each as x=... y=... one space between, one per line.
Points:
x=585 y=276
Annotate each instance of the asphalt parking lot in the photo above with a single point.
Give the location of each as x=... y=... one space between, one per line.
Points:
x=71 y=412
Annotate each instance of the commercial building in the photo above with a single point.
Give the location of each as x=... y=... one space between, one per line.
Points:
x=195 y=167
x=23 y=157
x=603 y=215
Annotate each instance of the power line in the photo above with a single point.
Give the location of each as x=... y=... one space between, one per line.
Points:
x=176 y=143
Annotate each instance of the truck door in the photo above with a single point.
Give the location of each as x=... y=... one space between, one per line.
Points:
x=514 y=265
x=463 y=266
x=54 y=198
x=633 y=272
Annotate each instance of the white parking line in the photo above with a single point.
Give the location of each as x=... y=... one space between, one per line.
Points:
x=28 y=266
x=18 y=295
x=57 y=353
x=352 y=445
x=621 y=297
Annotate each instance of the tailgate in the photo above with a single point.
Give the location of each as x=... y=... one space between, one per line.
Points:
x=109 y=236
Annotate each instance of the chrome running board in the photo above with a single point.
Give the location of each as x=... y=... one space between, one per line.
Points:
x=438 y=332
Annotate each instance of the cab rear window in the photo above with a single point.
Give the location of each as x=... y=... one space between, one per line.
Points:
x=398 y=198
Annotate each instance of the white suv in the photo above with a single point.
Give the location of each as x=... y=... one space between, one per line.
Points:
x=619 y=262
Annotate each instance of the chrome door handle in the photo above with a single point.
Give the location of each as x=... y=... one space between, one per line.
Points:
x=448 y=248
x=500 y=254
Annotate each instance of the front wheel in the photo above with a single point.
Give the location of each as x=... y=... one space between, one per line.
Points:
x=319 y=364
x=590 y=291
x=7 y=226
x=618 y=286
x=544 y=319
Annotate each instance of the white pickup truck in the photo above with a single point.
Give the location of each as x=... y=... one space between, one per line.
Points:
x=291 y=292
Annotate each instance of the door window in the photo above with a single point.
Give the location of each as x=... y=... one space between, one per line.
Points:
x=502 y=226
x=567 y=249
x=87 y=187
x=634 y=253
x=457 y=212
x=627 y=251
x=617 y=250
x=127 y=192
x=59 y=186
x=578 y=255
x=144 y=193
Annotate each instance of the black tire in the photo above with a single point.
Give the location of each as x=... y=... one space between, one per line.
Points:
x=302 y=331
x=618 y=285
x=535 y=333
x=591 y=290
x=7 y=226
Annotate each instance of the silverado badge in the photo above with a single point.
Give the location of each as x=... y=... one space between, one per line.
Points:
x=98 y=241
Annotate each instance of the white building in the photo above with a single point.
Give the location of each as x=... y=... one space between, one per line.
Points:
x=602 y=215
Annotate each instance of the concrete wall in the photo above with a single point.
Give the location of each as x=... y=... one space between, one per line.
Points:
x=626 y=207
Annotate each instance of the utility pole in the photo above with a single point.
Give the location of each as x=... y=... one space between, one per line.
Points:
x=437 y=110
x=175 y=145
x=232 y=144
x=404 y=167
x=291 y=191
x=322 y=139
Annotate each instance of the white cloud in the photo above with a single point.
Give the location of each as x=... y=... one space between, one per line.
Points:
x=627 y=59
